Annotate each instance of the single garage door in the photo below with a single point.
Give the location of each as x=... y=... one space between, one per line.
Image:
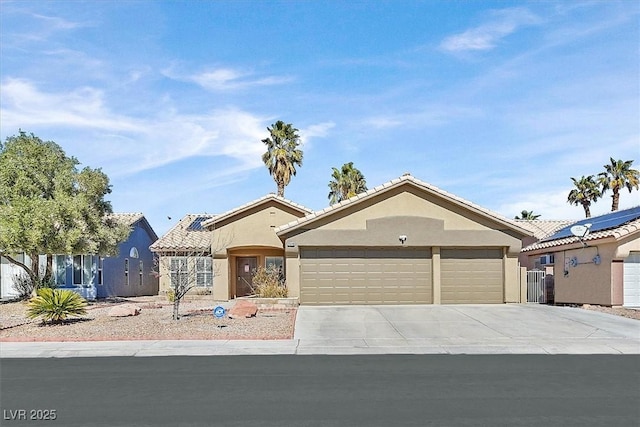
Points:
x=365 y=276
x=471 y=276
x=632 y=280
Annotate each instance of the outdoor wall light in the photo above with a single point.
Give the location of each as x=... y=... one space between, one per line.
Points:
x=402 y=238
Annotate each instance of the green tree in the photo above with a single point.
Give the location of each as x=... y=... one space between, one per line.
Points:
x=283 y=154
x=527 y=215
x=345 y=183
x=48 y=206
x=617 y=175
x=585 y=192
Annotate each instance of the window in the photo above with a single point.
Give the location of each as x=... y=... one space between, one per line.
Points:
x=126 y=270
x=276 y=263
x=190 y=271
x=141 y=272
x=179 y=273
x=83 y=270
x=60 y=269
x=204 y=271
x=100 y=268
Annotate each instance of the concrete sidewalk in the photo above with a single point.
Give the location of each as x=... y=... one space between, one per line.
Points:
x=432 y=329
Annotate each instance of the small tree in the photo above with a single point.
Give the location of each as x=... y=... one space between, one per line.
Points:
x=185 y=269
x=187 y=260
x=617 y=175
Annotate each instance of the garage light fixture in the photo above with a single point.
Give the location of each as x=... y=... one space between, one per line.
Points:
x=402 y=238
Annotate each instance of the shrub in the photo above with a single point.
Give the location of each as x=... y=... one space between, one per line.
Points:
x=55 y=305
x=24 y=286
x=171 y=295
x=267 y=283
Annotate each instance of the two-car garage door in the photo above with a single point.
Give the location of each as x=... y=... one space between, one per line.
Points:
x=399 y=276
x=365 y=276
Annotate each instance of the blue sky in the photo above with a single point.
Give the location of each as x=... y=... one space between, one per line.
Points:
x=497 y=102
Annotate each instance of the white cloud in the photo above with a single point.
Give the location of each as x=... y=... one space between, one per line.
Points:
x=487 y=36
x=319 y=130
x=224 y=79
x=23 y=104
x=126 y=144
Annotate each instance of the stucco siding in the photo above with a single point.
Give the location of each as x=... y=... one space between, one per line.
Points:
x=255 y=229
x=405 y=201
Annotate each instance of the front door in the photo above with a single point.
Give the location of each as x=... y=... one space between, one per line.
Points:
x=245 y=268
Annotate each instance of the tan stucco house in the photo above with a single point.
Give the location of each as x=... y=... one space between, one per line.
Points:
x=227 y=247
x=603 y=267
x=404 y=242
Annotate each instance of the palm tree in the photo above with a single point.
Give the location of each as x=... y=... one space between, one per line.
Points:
x=616 y=176
x=527 y=215
x=282 y=154
x=586 y=191
x=346 y=183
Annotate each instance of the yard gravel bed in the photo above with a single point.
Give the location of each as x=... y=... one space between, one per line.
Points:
x=153 y=323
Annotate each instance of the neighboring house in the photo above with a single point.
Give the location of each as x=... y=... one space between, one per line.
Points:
x=235 y=243
x=186 y=240
x=10 y=273
x=404 y=242
x=602 y=267
x=130 y=273
x=541 y=229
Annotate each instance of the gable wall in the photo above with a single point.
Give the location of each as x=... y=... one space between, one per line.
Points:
x=254 y=227
x=405 y=201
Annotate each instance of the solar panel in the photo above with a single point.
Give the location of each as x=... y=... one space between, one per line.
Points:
x=599 y=223
x=196 y=224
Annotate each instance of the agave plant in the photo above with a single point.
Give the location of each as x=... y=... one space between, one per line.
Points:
x=55 y=305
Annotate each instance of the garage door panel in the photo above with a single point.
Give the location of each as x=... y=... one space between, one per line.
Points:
x=471 y=276
x=631 y=287
x=366 y=276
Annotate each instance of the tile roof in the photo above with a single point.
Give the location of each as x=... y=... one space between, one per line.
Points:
x=128 y=218
x=183 y=237
x=616 y=233
x=253 y=203
x=541 y=228
x=406 y=178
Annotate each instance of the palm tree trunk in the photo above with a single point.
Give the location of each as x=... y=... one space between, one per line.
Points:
x=616 y=200
x=281 y=189
x=587 y=211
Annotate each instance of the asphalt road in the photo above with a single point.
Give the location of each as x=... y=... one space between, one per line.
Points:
x=362 y=390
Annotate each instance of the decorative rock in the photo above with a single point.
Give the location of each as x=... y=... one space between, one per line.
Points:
x=124 y=310
x=243 y=308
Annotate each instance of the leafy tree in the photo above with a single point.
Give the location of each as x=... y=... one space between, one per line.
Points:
x=617 y=175
x=283 y=154
x=527 y=215
x=585 y=192
x=48 y=206
x=346 y=183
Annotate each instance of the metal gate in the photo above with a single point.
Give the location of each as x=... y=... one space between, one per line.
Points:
x=536 y=286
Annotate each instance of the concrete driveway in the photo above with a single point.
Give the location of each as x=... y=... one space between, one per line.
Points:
x=456 y=329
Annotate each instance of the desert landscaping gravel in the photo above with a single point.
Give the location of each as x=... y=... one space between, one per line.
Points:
x=153 y=323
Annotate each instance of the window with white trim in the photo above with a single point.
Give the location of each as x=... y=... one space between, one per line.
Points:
x=60 y=268
x=204 y=271
x=179 y=272
x=84 y=270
